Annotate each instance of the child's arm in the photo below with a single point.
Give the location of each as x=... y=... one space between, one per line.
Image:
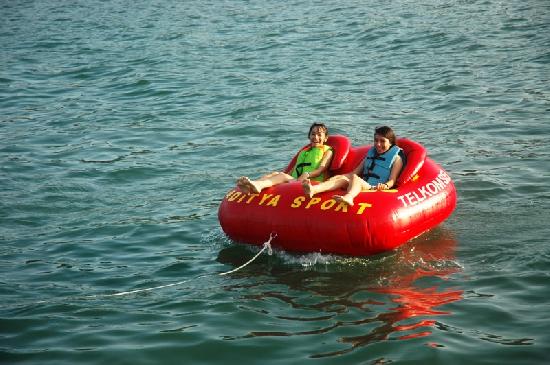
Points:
x=358 y=170
x=323 y=166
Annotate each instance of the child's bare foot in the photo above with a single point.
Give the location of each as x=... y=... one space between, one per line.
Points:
x=343 y=199
x=252 y=185
x=246 y=185
x=308 y=188
x=243 y=184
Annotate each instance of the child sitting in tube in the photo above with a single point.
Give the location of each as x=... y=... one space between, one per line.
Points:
x=379 y=170
x=312 y=163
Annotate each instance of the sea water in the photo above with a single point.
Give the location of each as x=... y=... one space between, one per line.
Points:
x=124 y=123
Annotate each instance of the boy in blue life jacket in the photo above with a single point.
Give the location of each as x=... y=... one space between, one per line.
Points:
x=379 y=170
x=312 y=163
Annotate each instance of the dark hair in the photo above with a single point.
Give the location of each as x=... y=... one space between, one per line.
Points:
x=320 y=125
x=386 y=132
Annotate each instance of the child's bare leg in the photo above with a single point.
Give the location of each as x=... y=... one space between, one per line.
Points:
x=273 y=178
x=335 y=182
x=268 y=176
x=355 y=186
x=268 y=181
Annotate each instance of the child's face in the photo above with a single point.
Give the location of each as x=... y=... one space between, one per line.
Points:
x=317 y=136
x=381 y=143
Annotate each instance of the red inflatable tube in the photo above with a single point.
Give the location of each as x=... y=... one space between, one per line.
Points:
x=378 y=221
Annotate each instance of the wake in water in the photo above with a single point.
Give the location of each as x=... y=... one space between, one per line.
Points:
x=433 y=251
x=420 y=258
x=389 y=290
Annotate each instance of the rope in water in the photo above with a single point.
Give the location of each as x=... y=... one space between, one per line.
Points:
x=266 y=246
x=152 y=288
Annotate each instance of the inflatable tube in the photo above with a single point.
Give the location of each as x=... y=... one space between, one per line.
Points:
x=378 y=221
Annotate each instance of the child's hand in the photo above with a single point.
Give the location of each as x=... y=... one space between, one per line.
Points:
x=382 y=187
x=304 y=177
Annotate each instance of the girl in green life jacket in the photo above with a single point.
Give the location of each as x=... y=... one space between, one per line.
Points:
x=312 y=163
x=379 y=170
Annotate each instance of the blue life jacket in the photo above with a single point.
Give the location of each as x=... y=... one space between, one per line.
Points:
x=377 y=168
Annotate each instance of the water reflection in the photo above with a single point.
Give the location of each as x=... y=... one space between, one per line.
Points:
x=396 y=296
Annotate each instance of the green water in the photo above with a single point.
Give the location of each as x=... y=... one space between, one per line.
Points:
x=123 y=124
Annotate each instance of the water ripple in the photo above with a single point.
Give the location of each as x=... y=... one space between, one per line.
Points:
x=122 y=127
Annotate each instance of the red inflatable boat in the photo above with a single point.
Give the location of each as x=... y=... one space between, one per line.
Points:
x=378 y=221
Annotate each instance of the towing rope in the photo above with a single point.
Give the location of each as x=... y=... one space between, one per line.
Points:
x=267 y=245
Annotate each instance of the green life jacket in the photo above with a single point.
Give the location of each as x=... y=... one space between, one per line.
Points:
x=308 y=160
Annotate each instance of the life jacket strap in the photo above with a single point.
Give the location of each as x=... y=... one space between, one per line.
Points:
x=300 y=167
x=370 y=173
x=372 y=160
